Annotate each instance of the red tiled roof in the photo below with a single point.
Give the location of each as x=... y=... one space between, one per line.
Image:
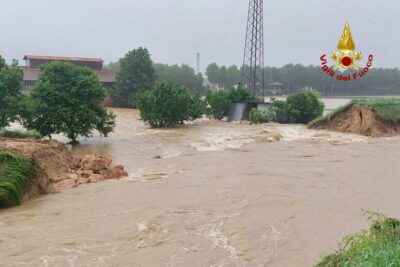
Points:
x=84 y=59
x=105 y=75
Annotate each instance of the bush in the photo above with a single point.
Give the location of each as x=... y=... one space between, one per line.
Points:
x=257 y=116
x=198 y=107
x=167 y=105
x=67 y=99
x=380 y=246
x=304 y=107
x=299 y=108
x=16 y=174
x=278 y=111
x=20 y=134
x=219 y=102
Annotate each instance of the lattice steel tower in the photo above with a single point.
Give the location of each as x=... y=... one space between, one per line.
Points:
x=253 y=61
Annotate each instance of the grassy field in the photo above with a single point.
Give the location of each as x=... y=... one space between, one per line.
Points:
x=16 y=175
x=20 y=134
x=387 y=109
x=379 y=246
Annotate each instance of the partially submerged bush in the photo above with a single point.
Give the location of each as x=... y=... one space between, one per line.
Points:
x=278 y=111
x=16 y=175
x=167 y=105
x=257 y=116
x=219 y=102
x=380 y=246
x=32 y=134
x=299 y=108
x=304 y=107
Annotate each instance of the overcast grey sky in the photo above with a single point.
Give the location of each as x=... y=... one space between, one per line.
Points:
x=175 y=30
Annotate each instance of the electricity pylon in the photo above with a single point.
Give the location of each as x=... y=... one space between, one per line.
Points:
x=253 y=60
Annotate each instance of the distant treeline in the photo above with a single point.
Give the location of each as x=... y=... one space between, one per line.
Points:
x=294 y=78
x=297 y=77
x=178 y=74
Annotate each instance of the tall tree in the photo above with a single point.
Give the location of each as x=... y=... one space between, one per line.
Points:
x=212 y=73
x=67 y=99
x=10 y=91
x=182 y=75
x=136 y=74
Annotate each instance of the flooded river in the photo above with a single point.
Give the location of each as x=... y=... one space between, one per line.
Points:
x=209 y=194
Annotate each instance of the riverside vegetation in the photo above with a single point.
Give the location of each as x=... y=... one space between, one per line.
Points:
x=380 y=246
x=16 y=174
x=298 y=108
x=387 y=109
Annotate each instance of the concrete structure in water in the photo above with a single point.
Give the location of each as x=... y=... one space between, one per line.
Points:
x=33 y=64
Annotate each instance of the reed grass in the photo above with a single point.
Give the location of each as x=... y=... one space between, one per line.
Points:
x=32 y=134
x=379 y=246
x=16 y=174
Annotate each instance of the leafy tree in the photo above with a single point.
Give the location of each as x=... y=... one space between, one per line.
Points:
x=115 y=66
x=182 y=75
x=233 y=76
x=167 y=105
x=67 y=99
x=10 y=92
x=136 y=74
x=212 y=73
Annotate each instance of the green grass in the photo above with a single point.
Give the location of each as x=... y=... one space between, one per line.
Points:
x=16 y=174
x=388 y=109
x=20 y=134
x=379 y=246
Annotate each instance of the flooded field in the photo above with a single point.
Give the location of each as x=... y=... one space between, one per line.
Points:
x=209 y=194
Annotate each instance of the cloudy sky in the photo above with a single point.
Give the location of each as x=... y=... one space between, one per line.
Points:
x=175 y=30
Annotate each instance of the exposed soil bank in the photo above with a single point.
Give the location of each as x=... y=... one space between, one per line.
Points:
x=360 y=119
x=58 y=169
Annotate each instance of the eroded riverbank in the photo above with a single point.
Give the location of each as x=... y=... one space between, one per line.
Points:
x=209 y=194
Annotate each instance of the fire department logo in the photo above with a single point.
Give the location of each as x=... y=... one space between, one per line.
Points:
x=345 y=59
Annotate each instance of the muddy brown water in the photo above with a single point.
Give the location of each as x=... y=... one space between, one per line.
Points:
x=209 y=194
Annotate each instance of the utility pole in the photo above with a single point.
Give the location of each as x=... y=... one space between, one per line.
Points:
x=253 y=60
x=198 y=63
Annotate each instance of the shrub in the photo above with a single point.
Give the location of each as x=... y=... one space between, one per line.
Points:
x=257 y=116
x=299 y=108
x=304 y=107
x=198 y=107
x=167 y=105
x=380 y=246
x=16 y=174
x=278 y=111
x=219 y=102
x=32 y=134
x=68 y=99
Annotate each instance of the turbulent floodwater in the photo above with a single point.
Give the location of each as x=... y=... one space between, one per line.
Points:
x=209 y=194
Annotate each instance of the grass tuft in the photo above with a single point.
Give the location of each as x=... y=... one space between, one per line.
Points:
x=380 y=246
x=387 y=109
x=16 y=174
x=20 y=134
